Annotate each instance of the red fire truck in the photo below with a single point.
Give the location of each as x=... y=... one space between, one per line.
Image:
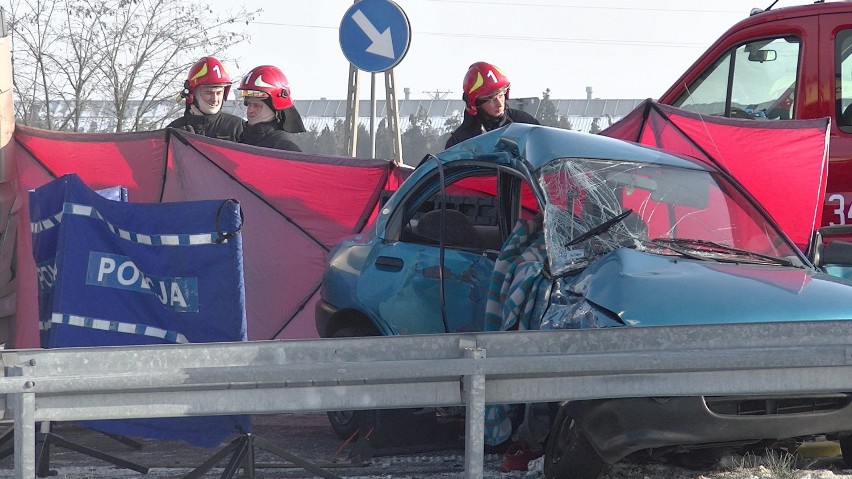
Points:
x=784 y=63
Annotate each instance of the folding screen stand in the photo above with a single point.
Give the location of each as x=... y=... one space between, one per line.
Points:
x=7 y=447
x=243 y=449
x=45 y=438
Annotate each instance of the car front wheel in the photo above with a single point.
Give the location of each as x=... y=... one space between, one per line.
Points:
x=569 y=455
x=345 y=423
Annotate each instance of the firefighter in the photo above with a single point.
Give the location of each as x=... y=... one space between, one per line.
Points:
x=523 y=428
x=485 y=91
x=205 y=89
x=271 y=114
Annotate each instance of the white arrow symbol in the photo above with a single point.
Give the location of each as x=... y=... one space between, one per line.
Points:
x=382 y=42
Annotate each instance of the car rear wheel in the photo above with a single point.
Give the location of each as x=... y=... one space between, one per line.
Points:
x=345 y=423
x=568 y=454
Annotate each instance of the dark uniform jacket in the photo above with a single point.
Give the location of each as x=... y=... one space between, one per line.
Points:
x=224 y=126
x=268 y=134
x=473 y=125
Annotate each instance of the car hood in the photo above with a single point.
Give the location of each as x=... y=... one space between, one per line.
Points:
x=645 y=289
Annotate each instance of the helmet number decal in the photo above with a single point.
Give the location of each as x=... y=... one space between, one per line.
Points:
x=492 y=76
x=218 y=73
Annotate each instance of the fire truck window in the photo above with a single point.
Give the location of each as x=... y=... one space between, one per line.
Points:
x=755 y=80
x=843 y=74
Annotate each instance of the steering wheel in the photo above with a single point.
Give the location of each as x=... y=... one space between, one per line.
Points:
x=737 y=112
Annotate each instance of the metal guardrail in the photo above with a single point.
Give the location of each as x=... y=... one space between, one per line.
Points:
x=469 y=370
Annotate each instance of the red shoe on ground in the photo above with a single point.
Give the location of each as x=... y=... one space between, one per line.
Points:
x=518 y=457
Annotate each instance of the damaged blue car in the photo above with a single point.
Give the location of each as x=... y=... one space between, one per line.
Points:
x=530 y=227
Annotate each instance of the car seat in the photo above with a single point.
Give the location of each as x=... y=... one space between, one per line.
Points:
x=458 y=229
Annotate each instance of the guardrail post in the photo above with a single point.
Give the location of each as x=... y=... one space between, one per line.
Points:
x=23 y=407
x=474 y=399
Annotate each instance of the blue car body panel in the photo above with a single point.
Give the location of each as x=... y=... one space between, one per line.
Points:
x=407 y=289
x=645 y=289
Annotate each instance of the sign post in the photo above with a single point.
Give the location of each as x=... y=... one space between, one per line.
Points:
x=374 y=36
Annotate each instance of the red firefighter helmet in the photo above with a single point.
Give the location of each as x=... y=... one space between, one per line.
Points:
x=267 y=81
x=482 y=80
x=207 y=71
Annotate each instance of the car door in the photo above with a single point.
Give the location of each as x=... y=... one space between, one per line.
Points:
x=420 y=282
x=835 y=82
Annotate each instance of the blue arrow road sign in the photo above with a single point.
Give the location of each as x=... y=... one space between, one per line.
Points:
x=374 y=35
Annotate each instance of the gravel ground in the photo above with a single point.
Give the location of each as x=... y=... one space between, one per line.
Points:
x=309 y=437
x=451 y=467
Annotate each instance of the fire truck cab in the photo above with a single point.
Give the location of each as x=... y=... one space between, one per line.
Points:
x=787 y=63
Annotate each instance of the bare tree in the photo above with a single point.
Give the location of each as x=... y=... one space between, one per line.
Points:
x=77 y=69
x=130 y=55
x=34 y=38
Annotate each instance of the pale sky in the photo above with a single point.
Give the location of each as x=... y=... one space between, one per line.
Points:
x=619 y=48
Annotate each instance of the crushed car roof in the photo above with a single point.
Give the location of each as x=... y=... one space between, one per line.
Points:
x=540 y=145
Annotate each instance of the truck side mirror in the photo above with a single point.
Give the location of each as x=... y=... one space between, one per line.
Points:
x=837 y=252
x=762 y=56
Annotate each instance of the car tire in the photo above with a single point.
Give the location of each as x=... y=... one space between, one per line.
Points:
x=345 y=423
x=568 y=454
x=846 y=450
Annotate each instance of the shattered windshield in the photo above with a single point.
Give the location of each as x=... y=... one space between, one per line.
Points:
x=596 y=206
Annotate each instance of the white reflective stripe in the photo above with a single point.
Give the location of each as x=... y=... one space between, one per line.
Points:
x=201 y=239
x=45 y=224
x=170 y=240
x=164 y=240
x=117 y=326
x=81 y=210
